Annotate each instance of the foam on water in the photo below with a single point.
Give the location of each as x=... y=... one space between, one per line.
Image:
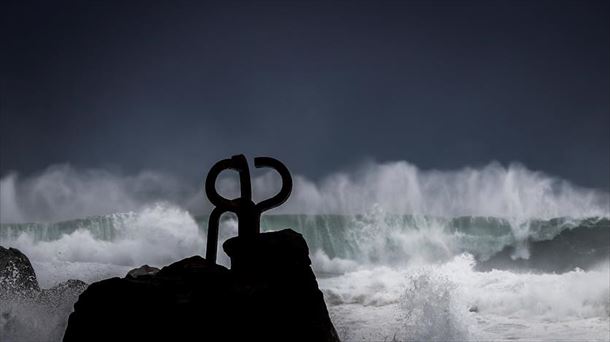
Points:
x=156 y=235
x=453 y=302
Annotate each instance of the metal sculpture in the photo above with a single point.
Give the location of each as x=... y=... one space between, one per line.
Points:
x=248 y=213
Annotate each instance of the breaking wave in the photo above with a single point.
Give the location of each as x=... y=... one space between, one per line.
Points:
x=515 y=193
x=163 y=233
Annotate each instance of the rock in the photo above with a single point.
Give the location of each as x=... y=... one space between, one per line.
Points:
x=28 y=313
x=473 y=308
x=270 y=294
x=278 y=292
x=142 y=271
x=186 y=300
x=17 y=276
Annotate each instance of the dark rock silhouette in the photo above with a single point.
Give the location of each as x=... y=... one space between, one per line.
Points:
x=270 y=294
x=17 y=276
x=278 y=292
x=174 y=304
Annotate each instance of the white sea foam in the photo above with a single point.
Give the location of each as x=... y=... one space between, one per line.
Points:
x=453 y=302
x=155 y=235
x=554 y=296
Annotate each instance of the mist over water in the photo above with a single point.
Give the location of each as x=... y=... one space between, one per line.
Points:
x=61 y=192
x=395 y=247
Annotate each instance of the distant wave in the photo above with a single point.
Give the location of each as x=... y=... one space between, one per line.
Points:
x=62 y=192
x=163 y=233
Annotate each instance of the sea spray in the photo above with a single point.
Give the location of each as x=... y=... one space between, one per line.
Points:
x=433 y=310
x=452 y=301
x=489 y=191
x=155 y=235
x=62 y=192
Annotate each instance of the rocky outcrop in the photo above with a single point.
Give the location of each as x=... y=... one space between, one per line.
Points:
x=270 y=294
x=171 y=305
x=17 y=276
x=28 y=313
x=278 y=293
x=142 y=271
x=18 y=281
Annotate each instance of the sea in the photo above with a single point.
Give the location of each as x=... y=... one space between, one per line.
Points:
x=532 y=265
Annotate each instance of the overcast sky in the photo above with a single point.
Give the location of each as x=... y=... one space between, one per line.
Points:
x=322 y=85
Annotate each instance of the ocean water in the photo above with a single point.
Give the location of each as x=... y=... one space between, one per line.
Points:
x=400 y=254
x=384 y=277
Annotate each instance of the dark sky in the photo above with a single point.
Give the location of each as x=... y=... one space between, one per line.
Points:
x=321 y=85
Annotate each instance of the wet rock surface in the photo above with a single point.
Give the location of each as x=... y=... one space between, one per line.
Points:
x=273 y=272
x=17 y=276
x=142 y=271
x=27 y=312
x=270 y=294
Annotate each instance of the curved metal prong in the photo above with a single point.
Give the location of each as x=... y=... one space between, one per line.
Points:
x=286 y=189
x=238 y=163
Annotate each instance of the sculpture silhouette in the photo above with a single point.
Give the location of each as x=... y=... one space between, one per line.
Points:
x=248 y=213
x=269 y=294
